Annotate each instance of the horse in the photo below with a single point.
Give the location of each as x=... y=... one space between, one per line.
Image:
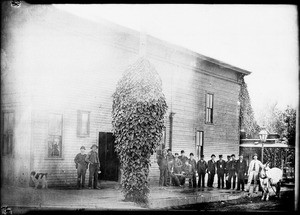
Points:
x=268 y=178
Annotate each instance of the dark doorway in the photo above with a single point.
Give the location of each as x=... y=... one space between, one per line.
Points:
x=109 y=162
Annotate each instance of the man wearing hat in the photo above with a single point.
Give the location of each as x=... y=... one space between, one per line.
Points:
x=94 y=166
x=163 y=168
x=201 y=169
x=182 y=157
x=81 y=166
x=253 y=171
x=220 y=171
x=211 y=170
x=232 y=172
x=241 y=167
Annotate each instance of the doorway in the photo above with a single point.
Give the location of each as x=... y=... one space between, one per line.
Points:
x=109 y=162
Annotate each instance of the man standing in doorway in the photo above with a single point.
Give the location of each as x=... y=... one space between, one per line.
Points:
x=81 y=166
x=253 y=171
x=241 y=168
x=220 y=171
x=94 y=166
x=211 y=170
x=201 y=169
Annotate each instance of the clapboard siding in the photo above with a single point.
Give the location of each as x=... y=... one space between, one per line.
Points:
x=76 y=66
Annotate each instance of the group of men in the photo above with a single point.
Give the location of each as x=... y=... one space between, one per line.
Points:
x=174 y=170
x=87 y=161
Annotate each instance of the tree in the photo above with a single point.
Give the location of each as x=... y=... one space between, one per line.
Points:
x=138 y=113
x=279 y=121
x=289 y=119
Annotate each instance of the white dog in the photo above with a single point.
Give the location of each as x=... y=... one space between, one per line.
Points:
x=39 y=178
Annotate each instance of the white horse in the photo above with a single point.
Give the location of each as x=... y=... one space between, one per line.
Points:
x=269 y=178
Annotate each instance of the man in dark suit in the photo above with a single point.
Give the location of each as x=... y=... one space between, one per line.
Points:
x=163 y=168
x=211 y=170
x=221 y=170
x=193 y=163
x=227 y=171
x=241 y=167
x=201 y=169
x=232 y=172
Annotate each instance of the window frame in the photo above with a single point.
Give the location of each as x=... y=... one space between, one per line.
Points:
x=9 y=153
x=211 y=121
x=49 y=136
x=79 y=123
x=198 y=154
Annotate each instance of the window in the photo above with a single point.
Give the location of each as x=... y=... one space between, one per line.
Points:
x=83 y=123
x=55 y=136
x=209 y=108
x=199 y=143
x=7 y=133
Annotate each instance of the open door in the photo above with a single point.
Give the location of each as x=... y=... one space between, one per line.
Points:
x=109 y=162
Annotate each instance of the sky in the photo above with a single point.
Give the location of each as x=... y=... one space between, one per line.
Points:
x=262 y=39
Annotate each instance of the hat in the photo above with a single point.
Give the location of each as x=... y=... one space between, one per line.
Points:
x=212 y=155
x=228 y=156
x=82 y=147
x=233 y=155
x=255 y=154
x=94 y=145
x=220 y=156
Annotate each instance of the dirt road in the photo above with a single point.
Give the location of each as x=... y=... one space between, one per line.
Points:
x=246 y=204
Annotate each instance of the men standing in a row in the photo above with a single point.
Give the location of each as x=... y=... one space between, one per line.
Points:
x=221 y=164
x=94 y=166
x=201 y=169
x=232 y=172
x=211 y=166
x=241 y=167
x=163 y=168
x=193 y=163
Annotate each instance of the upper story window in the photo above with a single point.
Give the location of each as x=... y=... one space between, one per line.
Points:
x=83 y=123
x=7 y=134
x=55 y=128
x=209 y=108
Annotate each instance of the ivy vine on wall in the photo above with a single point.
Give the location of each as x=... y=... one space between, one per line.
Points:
x=138 y=113
x=247 y=120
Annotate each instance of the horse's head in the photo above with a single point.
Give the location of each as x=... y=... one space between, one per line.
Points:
x=264 y=169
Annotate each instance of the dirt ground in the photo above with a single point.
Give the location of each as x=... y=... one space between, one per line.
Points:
x=246 y=204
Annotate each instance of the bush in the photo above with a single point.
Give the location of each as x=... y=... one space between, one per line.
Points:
x=138 y=113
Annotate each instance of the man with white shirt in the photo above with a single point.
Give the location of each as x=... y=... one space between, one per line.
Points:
x=253 y=171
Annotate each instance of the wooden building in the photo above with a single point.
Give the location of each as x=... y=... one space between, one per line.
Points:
x=57 y=85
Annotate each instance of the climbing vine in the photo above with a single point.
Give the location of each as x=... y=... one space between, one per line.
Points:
x=247 y=120
x=138 y=113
